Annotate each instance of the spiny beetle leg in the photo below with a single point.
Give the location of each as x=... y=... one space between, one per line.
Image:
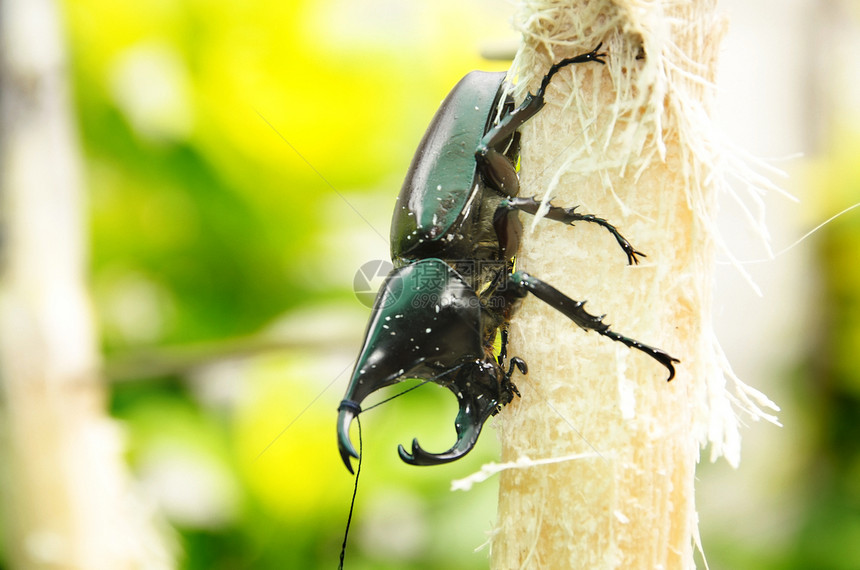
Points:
x=593 y=55
x=569 y=216
x=509 y=387
x=574 y=311
x=492 y=146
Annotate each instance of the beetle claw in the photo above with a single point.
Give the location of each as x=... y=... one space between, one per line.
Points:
x=520 y=364
x=346 y=413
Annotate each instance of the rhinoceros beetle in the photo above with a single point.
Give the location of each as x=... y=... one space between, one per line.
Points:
x=454 y=237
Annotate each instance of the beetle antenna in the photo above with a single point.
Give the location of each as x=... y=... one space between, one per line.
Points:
x=415 y=387
x=354 y=494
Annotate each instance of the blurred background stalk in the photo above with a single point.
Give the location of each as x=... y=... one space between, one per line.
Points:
x=66 y=499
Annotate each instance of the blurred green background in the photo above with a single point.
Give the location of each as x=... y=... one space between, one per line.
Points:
x=242 y=161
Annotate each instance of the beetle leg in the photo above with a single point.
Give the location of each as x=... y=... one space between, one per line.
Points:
x=593 y=55
x=508 y=387
x=523 y=283
x=490 y=152
x=496 y=166
x=498 y=136
x=520 y=365
x=569 y=216
x=508 y=230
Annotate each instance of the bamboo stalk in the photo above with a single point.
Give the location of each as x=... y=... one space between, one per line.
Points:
x=631 y=142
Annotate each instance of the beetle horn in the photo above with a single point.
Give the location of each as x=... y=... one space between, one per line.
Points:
x=347 y=411
x=473 y=413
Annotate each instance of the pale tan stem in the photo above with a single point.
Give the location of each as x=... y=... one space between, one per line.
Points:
x=625 y=142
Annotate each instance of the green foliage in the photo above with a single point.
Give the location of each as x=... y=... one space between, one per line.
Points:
x=830 y=534
x=807 y=503
x=242 y=161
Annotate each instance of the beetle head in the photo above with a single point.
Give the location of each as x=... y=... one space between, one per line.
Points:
x=426 y=324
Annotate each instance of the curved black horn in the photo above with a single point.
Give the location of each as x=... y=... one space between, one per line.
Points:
x=346 y=413
x=473 y=413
